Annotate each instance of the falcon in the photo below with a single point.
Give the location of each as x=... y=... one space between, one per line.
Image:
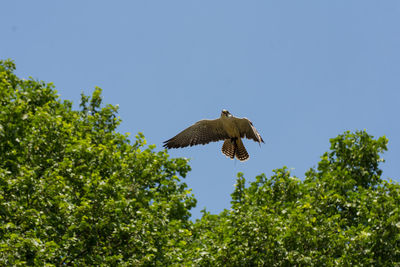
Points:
x=227 y=128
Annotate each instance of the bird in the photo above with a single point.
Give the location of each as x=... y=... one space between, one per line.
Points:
x=228 y=128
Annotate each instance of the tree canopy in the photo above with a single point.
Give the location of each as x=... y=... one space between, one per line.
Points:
x=342 y=214
x=75 y=191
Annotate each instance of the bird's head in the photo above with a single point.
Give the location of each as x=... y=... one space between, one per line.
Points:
x=225 y=113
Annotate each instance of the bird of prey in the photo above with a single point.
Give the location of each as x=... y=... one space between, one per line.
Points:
x=227 y=128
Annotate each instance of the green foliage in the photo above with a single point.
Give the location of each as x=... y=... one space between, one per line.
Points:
x=342 y=214
x=74 y=191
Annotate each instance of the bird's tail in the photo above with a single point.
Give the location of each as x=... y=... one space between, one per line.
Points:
x=241 y=152
x=228 y=148
x=234 y=147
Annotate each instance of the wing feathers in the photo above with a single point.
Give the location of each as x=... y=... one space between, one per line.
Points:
x=202 y=132
x=247 y=130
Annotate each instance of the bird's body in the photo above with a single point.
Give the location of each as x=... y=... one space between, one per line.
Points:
x=227 y=128
x=230 y=126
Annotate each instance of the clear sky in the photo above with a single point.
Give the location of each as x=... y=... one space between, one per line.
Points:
x=302 y=71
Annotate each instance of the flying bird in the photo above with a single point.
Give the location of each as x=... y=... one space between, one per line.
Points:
x=227 y=128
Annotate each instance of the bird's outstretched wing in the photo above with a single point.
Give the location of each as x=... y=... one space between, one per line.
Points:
x=247 y=130
x=202 y=132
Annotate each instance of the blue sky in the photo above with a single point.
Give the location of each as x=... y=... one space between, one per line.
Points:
x=302 y=71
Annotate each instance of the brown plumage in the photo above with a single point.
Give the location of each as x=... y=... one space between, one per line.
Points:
x=234 y=147
x=227 y=127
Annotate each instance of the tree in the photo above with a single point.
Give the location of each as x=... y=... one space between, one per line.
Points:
x=73 y=191
x=342 y=213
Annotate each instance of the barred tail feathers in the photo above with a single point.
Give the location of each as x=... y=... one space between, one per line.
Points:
x=234 y=147
x=241 y=152
x=228 y=148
